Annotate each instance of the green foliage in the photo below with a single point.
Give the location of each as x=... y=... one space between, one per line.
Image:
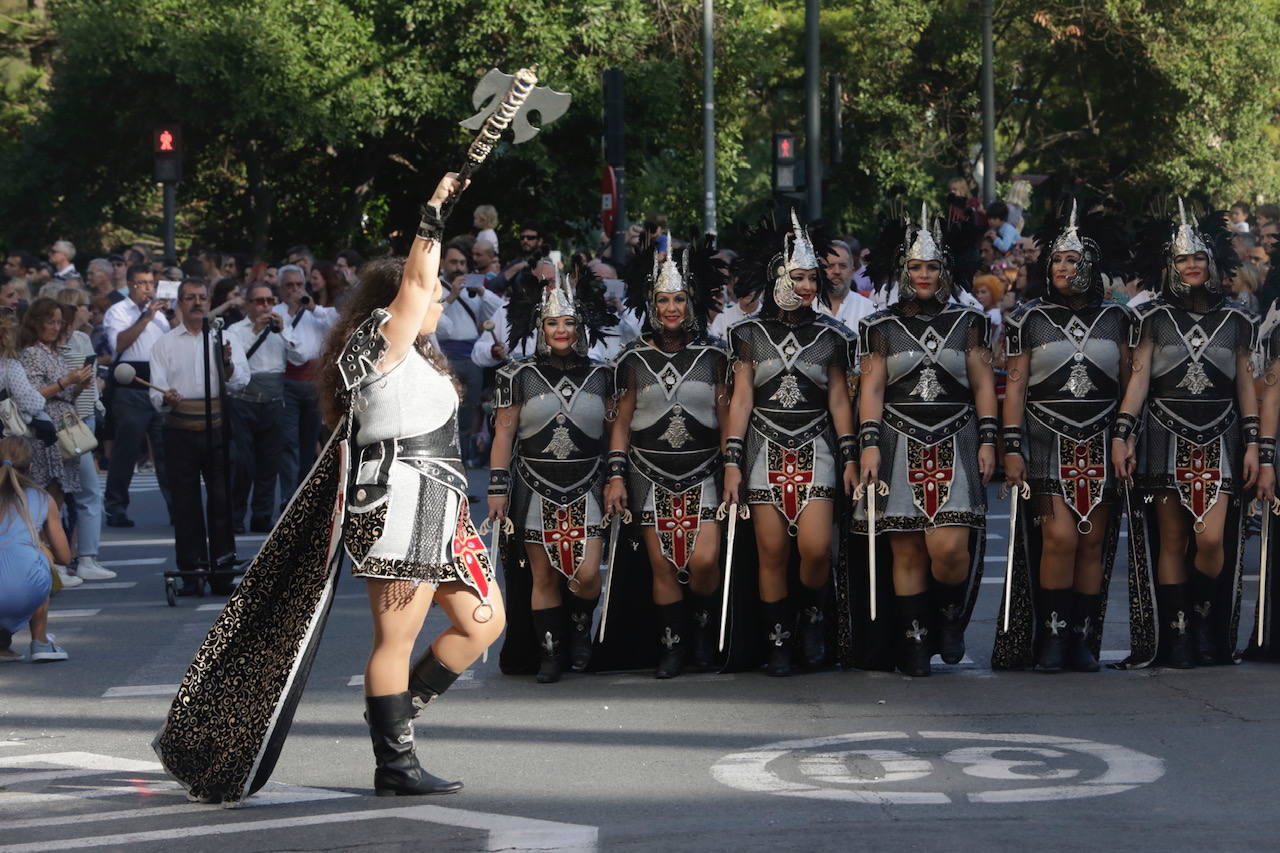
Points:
x=327 y=121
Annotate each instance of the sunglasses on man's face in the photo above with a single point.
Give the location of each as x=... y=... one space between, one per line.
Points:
x=528 y=236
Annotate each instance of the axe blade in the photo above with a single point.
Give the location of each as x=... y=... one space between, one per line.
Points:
x=547 y=103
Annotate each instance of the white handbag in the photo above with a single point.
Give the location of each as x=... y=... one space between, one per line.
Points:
x=12 y=421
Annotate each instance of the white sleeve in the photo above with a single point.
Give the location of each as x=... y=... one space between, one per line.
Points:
x=239 y=365
x=159 y=372
x=113 y=323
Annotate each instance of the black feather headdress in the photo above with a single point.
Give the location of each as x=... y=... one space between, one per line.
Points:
x=1101 y=240
x=701 y=272
x=1161 y=238
x=581 y=292
x=767 y=253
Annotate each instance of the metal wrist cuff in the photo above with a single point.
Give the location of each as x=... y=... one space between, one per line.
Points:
x=1012 y=436
x=1250 y=426
x=869 y=434
x=617 y=464
x=431 y=224
x=733 y=450
x=848 y=448
x=1267 y=451
x=499 y=482
x=988 y=429
x=1124 y=426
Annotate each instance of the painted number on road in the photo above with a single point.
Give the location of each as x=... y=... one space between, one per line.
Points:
x=938 y=767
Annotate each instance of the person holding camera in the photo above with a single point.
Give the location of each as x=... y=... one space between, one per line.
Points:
x=133 y=326
x=308 y=323
x=257 y=409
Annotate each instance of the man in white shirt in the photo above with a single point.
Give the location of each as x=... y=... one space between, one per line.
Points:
x=467 y=309
x=308 y=326
x=257 y=409
x=847 y=305
x=61 y=254
x=193 y=434
x=132 y=327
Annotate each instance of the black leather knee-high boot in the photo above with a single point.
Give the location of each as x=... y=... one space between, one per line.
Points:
x=1079 y=649
x=949 y=601
x=1203 y=589
x=580 y=612
x=704 y=624
x=548 y=625
x=672 y=631
x=398 y=772
x=1052 y=614
x=813 y=625
x=778 y=625
x=915 y=646
x=428 y=678
x=1175 y=626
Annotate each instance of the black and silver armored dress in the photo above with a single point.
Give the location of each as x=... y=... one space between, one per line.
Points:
x=929 y=460
x=407 y=515
x=675 y=440
x=1190 y=449
x=1072 y=392
x=558 y=461
x=929 y=451
x=790 y=448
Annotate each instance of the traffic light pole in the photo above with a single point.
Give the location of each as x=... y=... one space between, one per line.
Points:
x=813 y=112
x=170 y=215
x=615 y=156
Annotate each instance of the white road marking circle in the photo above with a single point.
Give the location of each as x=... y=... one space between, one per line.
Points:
x=938 y=767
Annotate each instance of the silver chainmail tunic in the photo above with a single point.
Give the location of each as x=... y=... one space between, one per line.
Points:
x=929 y=433
x=1191 y=439
x=558 y=462
x=790 y=453
x=675 y=440
x=1073 y=391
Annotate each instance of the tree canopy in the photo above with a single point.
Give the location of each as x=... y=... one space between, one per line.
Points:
x=327 y=121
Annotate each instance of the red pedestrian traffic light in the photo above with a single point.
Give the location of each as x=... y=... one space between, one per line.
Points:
x=166 y=144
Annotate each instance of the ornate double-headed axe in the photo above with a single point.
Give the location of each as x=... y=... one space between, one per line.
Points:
x=506 y=100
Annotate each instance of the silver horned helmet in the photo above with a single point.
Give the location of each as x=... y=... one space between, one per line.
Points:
x=924 y=244
x=667 y=278
x=1071 y=241
x=558 y=301
x=1187 y=240
x=797 y=254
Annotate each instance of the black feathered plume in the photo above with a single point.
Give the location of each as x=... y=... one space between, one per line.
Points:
x=1093 y=222
x=763 y=258
x=594 y=316
x=704 y=274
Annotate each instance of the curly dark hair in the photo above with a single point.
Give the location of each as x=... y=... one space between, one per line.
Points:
x=379 y=284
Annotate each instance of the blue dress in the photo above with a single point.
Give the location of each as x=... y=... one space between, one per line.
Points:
x=25 y=577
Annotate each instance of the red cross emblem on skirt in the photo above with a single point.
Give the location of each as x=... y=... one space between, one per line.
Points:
x=1077 y=473
x=932 y=480
x=681 y=525
x=561 y=536
x=468 y=549
x=789 y=479
x=1198 y=482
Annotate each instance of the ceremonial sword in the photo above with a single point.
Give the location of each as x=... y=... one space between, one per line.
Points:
x=1014 y=494
x=615 y=527
x=733 y=511
x=1267 y=512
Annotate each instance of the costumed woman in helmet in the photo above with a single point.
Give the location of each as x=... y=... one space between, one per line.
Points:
x=790 y=441
x=1197 y=455
x=928 y=431
x=547 y=472
x=664 y=457
x=389 y=489
x=1068 y=360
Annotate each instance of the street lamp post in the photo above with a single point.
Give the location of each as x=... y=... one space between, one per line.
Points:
x=708 y=119
x=988 y=107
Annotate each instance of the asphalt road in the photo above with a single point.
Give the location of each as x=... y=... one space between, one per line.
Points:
x=966 y=760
